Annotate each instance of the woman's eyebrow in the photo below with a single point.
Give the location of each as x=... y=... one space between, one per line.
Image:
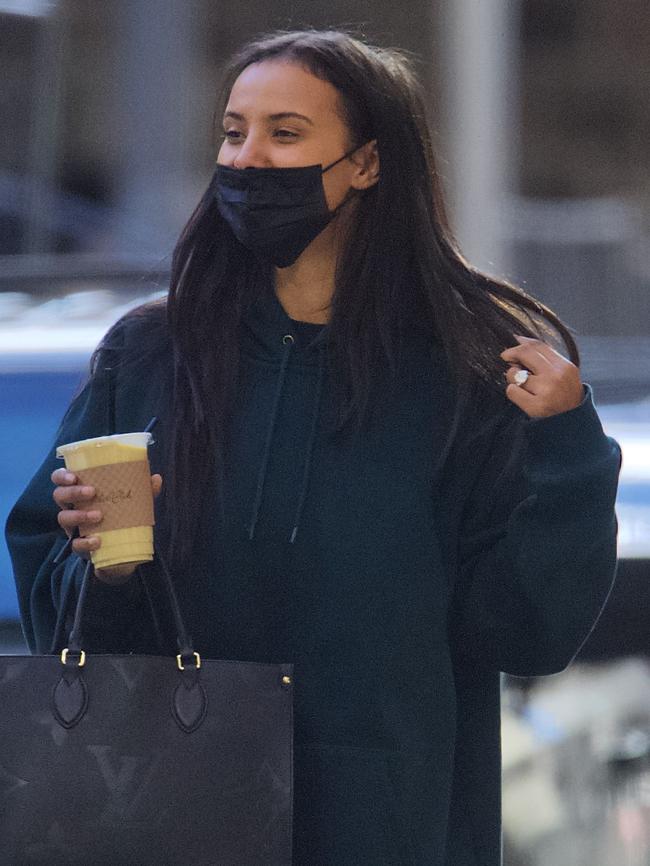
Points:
x=282 y=115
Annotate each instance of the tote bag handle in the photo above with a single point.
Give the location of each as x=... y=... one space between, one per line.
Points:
x=186 y=654
x=68 y=588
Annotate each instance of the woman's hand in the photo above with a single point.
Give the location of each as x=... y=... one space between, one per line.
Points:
x=70 y=496
x=553 y=384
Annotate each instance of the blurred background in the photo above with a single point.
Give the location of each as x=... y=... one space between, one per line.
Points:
x=541 y=118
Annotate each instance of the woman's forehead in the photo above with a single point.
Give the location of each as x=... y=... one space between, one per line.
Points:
x=276 y=87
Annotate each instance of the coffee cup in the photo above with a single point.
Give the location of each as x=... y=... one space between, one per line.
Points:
x=118 y=468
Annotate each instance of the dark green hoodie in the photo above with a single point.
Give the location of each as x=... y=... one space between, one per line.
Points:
x=398 y=592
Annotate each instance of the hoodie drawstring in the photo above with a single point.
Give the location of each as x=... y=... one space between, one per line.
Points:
x=288 y=341
x=310 y=449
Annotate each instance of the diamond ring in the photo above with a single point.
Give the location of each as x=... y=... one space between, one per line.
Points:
x=521 y=377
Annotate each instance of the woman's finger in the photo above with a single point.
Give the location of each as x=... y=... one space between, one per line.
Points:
x=63 y=477
x=547 y=353
x=73 y=495
x=531 y=384
x=527 y=402
x=85 y=546
x=156 y=484
x=544 y=349
x=548 y=392
x=528 y=356
x=70 y=519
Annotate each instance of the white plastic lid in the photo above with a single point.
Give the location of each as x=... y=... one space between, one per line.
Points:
x=135 y=440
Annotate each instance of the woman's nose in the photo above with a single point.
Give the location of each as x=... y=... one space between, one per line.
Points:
x=251 y=154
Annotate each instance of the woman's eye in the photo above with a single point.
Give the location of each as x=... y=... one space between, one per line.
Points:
x=285 y=133
x=232 y=134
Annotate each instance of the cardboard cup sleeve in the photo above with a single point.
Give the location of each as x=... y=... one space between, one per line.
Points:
x=122 y=493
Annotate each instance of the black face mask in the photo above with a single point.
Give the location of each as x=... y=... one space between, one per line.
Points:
x=275 y=212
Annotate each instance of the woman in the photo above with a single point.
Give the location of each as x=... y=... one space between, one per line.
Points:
x=376 y=465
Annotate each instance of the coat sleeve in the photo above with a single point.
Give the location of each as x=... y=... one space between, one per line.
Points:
x=117 y=617
x=536 y=554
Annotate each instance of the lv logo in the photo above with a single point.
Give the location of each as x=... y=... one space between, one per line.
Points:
x=130 y=675
x=127 y=779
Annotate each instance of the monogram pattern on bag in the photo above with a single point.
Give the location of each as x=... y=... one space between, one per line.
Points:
x=53 y=846
x=12 y=671
x=10 y=783
x=127 y=779
x=129 y=674
x=46 y=718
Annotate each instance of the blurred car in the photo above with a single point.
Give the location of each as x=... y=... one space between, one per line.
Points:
x=45 y=350
x=34 y=392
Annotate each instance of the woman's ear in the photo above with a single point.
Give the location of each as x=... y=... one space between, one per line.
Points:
x=366 y=160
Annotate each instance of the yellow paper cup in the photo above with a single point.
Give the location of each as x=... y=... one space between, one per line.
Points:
x=118 y=468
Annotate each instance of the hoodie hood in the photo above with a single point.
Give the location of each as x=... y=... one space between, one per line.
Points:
x=265 y=326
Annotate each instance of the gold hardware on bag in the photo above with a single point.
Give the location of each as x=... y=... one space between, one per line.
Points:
x=181 y=666
x=286 y=681
x=82 y=657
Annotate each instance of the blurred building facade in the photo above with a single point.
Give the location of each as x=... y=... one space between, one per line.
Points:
x=539 y=110
x=582 y=223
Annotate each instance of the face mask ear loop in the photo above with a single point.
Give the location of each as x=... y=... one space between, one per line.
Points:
x=341 y=158
x=351 y=195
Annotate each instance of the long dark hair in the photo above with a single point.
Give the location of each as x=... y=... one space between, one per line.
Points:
x=402 y=264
